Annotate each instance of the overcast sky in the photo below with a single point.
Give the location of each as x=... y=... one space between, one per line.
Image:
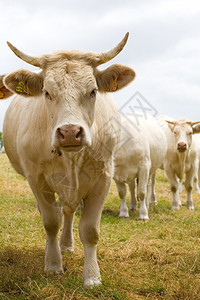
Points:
x=163 y=46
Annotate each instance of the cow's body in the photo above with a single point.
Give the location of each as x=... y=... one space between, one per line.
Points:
x=143 y=148
x=181 y=157
x=196 y=139
x=62 y=140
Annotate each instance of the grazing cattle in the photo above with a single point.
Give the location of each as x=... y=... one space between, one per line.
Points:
x=181 y=157
x=60 y=133
x=4 y=92
x=142 y=150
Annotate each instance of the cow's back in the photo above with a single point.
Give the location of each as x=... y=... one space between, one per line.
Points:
x=157 y=142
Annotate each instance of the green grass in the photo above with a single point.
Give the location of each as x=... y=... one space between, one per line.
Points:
x=159 y=259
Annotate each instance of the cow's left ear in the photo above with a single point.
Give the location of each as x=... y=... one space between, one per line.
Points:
x=114 y=78
x=4 y=92
x=24 y=83
x=196 y=129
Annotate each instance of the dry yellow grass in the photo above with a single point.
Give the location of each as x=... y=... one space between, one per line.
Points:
x=155 y=260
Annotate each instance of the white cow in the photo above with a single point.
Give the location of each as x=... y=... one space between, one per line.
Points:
x=60 y=134
x=196 y=139
x=142 y=150
x=181 y=157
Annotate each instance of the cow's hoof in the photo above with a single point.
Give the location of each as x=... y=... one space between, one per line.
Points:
x=54 y=271
x=133 y=209
x=175 y=207
x=144 y=219
x=154 y=203
x=191 y=208
x=124 y=215
x=91 y=282
x=67 y=249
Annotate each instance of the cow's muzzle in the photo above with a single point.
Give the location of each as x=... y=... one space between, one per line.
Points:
x=70 y=136
x=181 y=146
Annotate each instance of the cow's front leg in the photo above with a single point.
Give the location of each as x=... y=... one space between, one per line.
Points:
x=66 y=239
x=121 y=188
x=188 y=187
x=51 y=217
x=89 y=230
x=174 y=184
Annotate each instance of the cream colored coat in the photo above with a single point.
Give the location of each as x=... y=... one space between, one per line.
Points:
x=65 y=94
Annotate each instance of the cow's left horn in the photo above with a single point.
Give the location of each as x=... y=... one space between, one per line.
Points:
x=106 y=56
x=33 y=60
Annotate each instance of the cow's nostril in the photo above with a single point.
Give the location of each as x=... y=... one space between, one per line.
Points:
x=79 y=134
x=60 y=133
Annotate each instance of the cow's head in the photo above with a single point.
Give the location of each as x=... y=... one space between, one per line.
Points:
x=70 y=83
x=183 y=130
x=4 y=92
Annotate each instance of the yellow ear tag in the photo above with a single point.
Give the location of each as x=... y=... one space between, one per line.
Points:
x=1 y=95
x=20 y=87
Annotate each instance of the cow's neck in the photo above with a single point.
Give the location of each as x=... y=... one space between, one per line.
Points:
x=182 y=159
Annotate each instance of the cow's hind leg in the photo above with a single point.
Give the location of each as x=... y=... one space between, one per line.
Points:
x=153 y=199
x=121 y=188
x=142 y=191
x=174 y=183
x=51 y=217
x=133 y=202
x=89 y=230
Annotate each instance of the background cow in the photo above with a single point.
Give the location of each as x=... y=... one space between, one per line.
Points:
x=142 y=150
x=196 y=139
x=181 y=157
x=60 y=134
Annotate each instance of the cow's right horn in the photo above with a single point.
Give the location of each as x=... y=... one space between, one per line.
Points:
x=33 y=60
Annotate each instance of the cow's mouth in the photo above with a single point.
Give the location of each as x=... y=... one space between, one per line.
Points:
x=59 y=150
x=181 y=150
x=72 y=148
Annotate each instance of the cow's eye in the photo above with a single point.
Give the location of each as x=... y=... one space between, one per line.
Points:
x=47 y=95
x=190 y=133
x=93 y=93
x=174 y=132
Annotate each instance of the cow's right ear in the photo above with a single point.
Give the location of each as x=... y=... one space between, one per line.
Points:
x=24 y=83
x=170 y=124
x=4 y=92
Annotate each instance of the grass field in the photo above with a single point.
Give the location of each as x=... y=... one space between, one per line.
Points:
x=159 y=259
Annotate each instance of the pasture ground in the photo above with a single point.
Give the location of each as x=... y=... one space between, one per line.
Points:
x=159 y=259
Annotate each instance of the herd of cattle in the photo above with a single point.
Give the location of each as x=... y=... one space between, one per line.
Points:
x=64 y=134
